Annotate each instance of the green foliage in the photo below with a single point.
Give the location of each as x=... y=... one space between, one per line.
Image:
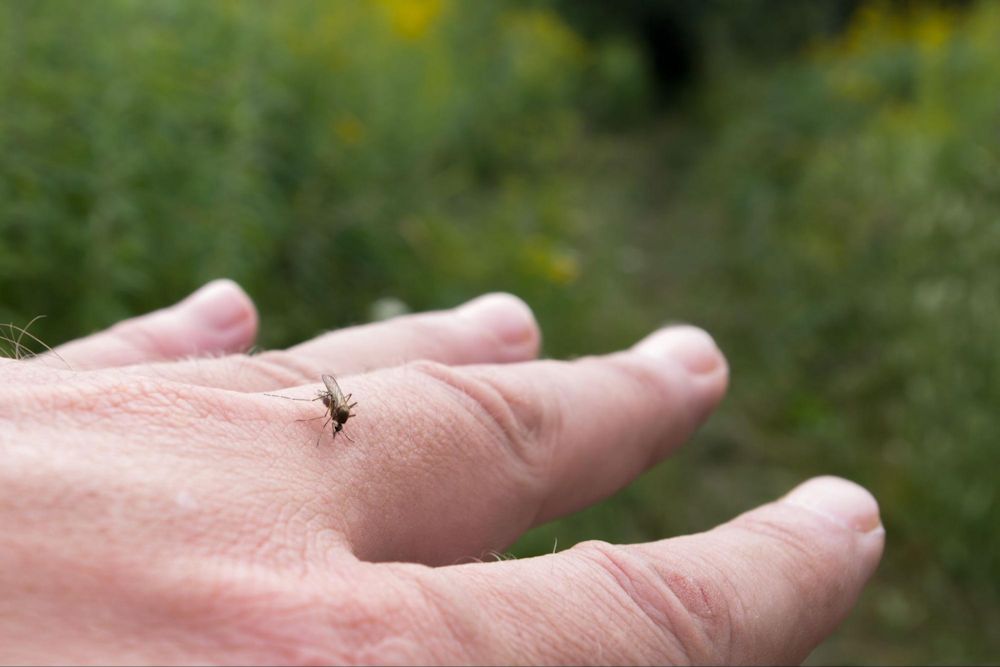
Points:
x=832 y=220
x=836 y=229
x=322 y=154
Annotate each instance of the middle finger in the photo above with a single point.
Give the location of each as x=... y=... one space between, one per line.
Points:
x=446 y=463
x=495 y=328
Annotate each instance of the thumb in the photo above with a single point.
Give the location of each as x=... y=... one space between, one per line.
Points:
x=767 y=587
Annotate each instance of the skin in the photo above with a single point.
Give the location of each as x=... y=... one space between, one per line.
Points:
x=157 y=508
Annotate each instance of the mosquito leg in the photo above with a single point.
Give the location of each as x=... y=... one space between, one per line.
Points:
x=323 y=430
x=289 y=398
x=311 y=419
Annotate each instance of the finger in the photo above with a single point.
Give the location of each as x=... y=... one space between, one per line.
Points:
x=766 y=588
x=217 y=319
x=450 y=462
x=495 y=328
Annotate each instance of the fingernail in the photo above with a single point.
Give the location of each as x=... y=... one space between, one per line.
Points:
x=694 y=349
x=504 y=314
x=219 y=305
x=839 y=500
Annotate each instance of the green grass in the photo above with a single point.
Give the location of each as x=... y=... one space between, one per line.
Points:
x=839 y=236
x=832 y=220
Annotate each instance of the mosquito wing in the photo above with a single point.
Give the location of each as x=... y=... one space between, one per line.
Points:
x=334 y=388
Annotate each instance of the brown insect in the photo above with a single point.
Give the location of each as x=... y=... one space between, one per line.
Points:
x=338 y=407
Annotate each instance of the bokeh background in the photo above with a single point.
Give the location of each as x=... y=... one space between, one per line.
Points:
x=817 y=184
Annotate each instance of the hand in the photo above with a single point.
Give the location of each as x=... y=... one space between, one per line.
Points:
x=157 y=507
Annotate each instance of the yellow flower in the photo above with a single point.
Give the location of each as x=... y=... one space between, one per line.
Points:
x=933 y=28
x=563 y=268
x=560 y=266
x=872 y=23
x=412 y=19
x=880 y=24
x=349 y=129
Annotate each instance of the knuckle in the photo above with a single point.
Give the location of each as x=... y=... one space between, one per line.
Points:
x=446 y=624
x=433 y=329
x=137 y=335
x=284 y=368
x=691 y=612
x=670 y=389
x=256 y=615
x=110 y=394
x=394 y=616
x=804 y=554
x=143 y=400
x=510 y=413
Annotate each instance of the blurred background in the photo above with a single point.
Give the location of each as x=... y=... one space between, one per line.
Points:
x=817 y=184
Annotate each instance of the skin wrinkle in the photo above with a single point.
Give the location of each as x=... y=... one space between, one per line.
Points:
x=285 y=368
x=483 y=401
x=517 y=635
x=505 y=618
x=506 y=416
x=154 y=333
x=797 y=549
x=120 y=394
x=325 y=547
x=627 y=574
x=463 y=623
x=652 y=439
x=226 y=371
x=608 y=595
x=318 y=536
x=539 y=415
x=635 y=635
x=295 y=620
x=255 y=540
x=401 y=611
x=441 y=335
x=671 y=388
x=425 y=462
x=27 y=373
x=439 y=329
x=806 y=554
x=301 y=515
x=707 y=591
x=266 y=542
x=253 y=611
x=729 y=615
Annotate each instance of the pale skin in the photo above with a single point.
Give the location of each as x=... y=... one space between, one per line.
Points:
x=158 y=508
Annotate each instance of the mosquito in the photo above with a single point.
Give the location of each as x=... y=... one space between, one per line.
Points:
x=338 y=407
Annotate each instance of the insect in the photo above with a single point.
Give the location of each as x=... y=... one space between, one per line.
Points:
x=338 y=406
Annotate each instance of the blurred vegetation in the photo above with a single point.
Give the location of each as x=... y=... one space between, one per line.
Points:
x=826 y=206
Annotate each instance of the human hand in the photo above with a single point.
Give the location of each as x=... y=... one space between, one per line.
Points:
x=158 y=508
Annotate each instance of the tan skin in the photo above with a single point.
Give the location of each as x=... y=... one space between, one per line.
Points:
x=157 y=507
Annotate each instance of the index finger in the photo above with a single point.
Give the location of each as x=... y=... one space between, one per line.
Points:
x=495 y=328
x=450 y=462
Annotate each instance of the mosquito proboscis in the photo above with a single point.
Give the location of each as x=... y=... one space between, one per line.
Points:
x=338 y=407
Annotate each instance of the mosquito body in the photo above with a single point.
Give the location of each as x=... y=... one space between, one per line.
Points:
x=338 y=406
